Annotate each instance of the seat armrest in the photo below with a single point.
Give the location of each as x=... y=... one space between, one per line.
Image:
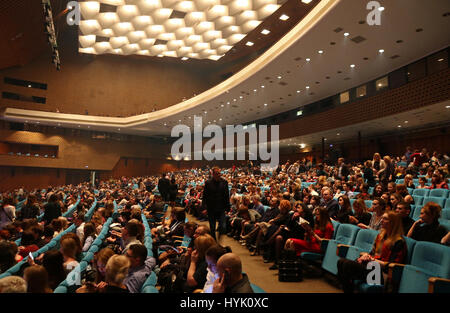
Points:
x=438 y=285
x=395 y=273
x=324 y=245
x=342 y=250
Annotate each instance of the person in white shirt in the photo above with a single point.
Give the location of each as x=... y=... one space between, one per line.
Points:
x=79 y=223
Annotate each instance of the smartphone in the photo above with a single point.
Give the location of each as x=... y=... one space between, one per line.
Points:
x=30 y=255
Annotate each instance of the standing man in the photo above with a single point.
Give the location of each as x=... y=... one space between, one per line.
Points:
x=163 y=187
x=216 y=198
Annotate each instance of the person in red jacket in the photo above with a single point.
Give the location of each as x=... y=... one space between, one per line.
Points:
x=419 y=158
x=323 y=229
x=437 y=182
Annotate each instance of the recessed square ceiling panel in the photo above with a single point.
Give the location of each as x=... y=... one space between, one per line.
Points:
x=199 y=29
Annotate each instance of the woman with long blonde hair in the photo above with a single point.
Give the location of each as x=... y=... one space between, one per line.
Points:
x=389 y=247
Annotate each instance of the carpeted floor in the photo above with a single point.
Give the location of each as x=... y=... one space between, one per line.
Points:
x=259 y=273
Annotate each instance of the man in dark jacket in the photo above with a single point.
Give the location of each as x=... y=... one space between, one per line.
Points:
x=216 y=199
x=331 y=204
x=52 y=209
x=163 y=187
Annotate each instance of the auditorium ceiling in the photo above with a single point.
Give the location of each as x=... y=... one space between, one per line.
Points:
x=330 y=50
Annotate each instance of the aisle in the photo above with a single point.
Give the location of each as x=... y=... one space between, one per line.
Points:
x=259 y=273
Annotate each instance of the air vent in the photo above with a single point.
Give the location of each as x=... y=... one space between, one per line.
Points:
x=339 y=29
x=332 y=43
x=358 y=39
x=395 y=56
x=266 y=78
x=399 y=41
x=297 y=59
x=101 y=39
x=107 y=8
x=177 y=14
x=234 y=106
x=160 y=42
x=283 y=83
x=365 y=58
x=418 y=30
x=361 y=22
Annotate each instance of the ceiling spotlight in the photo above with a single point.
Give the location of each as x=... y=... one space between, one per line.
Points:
x=254 y=90
x=249 y=43
x=284 y=17
x=307 y=87
x=399 y=126
x=222 y=105
x=298 y=91
x=265 y=104
x=381 y=9
x=279 y=77
x=29 y=86
x=346 y=34
x=381 y=50
x=308 y=59
x=160 y=55
x=184 y=58
x=240 y=97
x=447 y=106
x=265 y=32
x=440 y=60
x=352 y=66
x=262 y=86
x=320 y=51
x=306 y=1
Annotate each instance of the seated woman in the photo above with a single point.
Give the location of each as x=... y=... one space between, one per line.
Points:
x=53 y=262
x=389 y=247
x=427 y=227
x=378 y=209
x=28 y=243
x=89 y=236
x=116 y=271
x=323 y=229
x=197 y=272
x=403 y=192
x=69 y=248
x=212 y=255
x=360 y=214
x=36 y=277
x=345 y=209
x=292 y=229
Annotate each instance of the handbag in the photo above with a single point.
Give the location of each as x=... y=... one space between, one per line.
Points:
x=290 y=268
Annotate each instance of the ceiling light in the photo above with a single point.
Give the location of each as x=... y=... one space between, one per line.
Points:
x=308 y=59
x=249 y=43
x=399 y=126
x=352 y=66
x=160 y=55
x=279 y=77
x=406 y=122
x=284 y=17
x=346 y=34
x=298 y=91
x=306 y=1
x=265 y=32
x=184 y=58
x=240 y=97
x=307 y=87
x=220 y=119
x=320 y=51
x=338 y=134
x=221 y=105
x=381 y=50
x=440 y=60
x=265 y=104
x=447 y=106
x=262 y=86
x=29 y=86
x=254 y=90
x=381 y=9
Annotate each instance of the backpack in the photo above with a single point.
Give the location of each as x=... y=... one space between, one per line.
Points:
x=171 y=279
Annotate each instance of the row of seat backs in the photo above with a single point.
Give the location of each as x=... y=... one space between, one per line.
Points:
x=442 y=193
x=150 y=283
x=443 y=202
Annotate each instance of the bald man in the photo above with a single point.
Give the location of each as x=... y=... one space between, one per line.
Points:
x=231 y=279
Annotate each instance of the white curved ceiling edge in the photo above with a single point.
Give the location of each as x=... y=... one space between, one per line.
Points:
x=308 y=22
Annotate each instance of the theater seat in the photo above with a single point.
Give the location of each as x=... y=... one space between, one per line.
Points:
x=421 y=192
x=438 y=200
x=346 y=234
x=442 y=193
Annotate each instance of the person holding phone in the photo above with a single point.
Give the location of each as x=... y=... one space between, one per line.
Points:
x=231 y=279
